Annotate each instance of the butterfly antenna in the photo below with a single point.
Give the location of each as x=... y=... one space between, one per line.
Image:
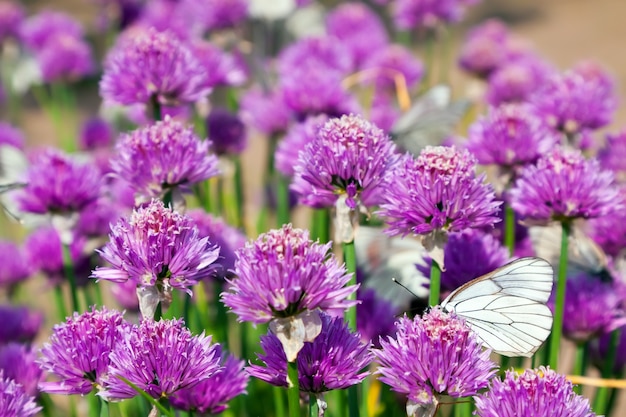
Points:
x=403 y=286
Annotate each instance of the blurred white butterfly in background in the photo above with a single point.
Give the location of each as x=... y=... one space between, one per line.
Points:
x=507 y=308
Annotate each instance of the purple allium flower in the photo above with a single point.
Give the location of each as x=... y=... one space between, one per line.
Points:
x=468 y=254
x=433 y=355
x=212 y=395
x=296 y=139
x=510 y=136
x=592 y=307
x=222 y=14
x=227 y=132
x=18 y=363
x=324 y=53
x=349 y=155
x=222 y=68
x=582 y=98
x=227 y=238
x=157 y=246
x=59 y=184
x=517 y=81
x=309 y=91
x=375 y=317
x=484 y=49
x=265 y=111
x=393 y=61
x=411 y=14
x=610 y=231
x=282 y=274
x=536 y=392
x=158 y=158
x=359 y=29
x=153 y=66
x=14 y=401
x=332 y=361
x=613 y=155
x=13 y=266
x=384 y=112
x=160 y=357
x=96 y=133
x=599 y=351
x=95 y=221
x=77 y=353
x=64 y=57
x=438 y=191
x=39 y=29
x=44 y=253
x=11 y=17
x=19 y=324
x=562 y=186
x=125 y=294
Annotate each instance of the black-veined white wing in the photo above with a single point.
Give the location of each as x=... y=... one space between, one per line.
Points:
x=507 y=307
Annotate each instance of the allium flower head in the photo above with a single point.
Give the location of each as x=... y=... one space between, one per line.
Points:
x=483 y=50
x=438 y=191
x=13 y=266
x=433 y=355
x=394 y=61
x=509 y=136
x=65 y=58
x=212 y=395
x=222 y=14
x=265 y=111
x=517 y=80
x=323 y=52
x=160 y=357
x=152 y=66
x=592 y=307
x=411 y=14
x=96 y=133
x=14 y=401
x=11 y=136
x=613 y=155
x=579 y=99
x=375 y=317
x=284 y=273
x=158 y=158
x=59 y=184
x=157 y=246
x=18 y=363
x=296 y=139
x=600 y=347
x=334 y=360
x=77 y=353
x=222 y=68
x=468 y=254
x=11 y=17
x=227 y=132
x=39 y=29
x=350 y=156
x=563 y=185
x=19 y=324
x=536 y=392
x=359 y=29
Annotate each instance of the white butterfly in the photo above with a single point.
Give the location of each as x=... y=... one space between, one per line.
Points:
x=507 y=308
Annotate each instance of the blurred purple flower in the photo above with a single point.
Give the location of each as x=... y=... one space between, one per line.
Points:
x=510 y=136
x=438 y=192
x=227 y=132
x=157 y=246
x=384 y=113
x=77 y=353
x=223 y=14
x=39 y=29
x=11 y=18
x=599 y=351
x=613 y=155
x=159 y=357
x=95 y=221
x=265 y=111
x=334 y=360
x=484 y=48
x=296 y=139
x=517 y=80
x=96 y=133
x=323 y=53
x=227 y=238
x=375 y=317
x=19 y=324
x=125 y=294
x=18 y=363
x=284 y=273
x=357 y=27
x=57 y=183
x=562 y=186
x=212 y=395
x=412 y=14
x=162 y=157
x=222 y=68
x=434 y=355
x=350 y=156
x=536 y=392
x=153 y=67
x=65 y=57
x=394 y=61
x=14 y=401
x=13 y=266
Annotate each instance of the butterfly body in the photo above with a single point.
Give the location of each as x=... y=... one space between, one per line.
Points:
x=507 y=308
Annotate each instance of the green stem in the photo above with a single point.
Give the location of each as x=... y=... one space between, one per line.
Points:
x=435 y=283
x=463 y=408
x=557 y=326
x=147 y=396
x=68 y=266
x=601 y=400
x=86 y=290
x=239 y=195
x=104 y=408
x=313 y=411
x=319 y=229
x=98 y=292
x=156 y=108
x=46 y=403
x=509 y=229
x=365 y=387
x=353 y=401
x=293 y=392
x=282 y=201
x=580 y=363
x=175 y=308
x=349 y=257
x=221 y=318
x=94 y=404
x=279 y=405
x=60 y=302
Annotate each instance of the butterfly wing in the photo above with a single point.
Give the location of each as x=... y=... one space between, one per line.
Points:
x=506 y=308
